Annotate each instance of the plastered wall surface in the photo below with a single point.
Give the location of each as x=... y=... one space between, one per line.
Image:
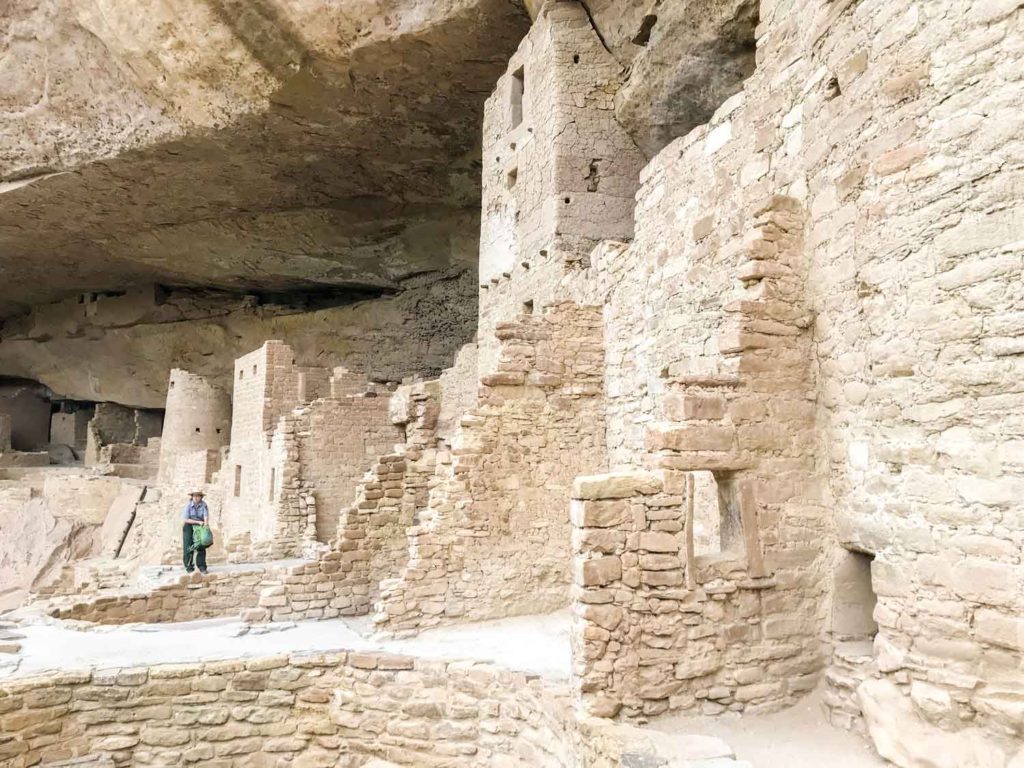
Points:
x=197 y=419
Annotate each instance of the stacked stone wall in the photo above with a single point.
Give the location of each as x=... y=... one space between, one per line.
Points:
x=301 y=439
x=863 y=113
x=113 y=424
x=559 y=181
x=341 y=709
x=493 y=539
x=894 y=368
x=338 y=441
x=267 y=514
x=189 y=597
x=371 y=544
x=657 y=629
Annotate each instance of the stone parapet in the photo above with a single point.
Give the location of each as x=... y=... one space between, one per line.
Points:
x=187 y=598
x=340 y=708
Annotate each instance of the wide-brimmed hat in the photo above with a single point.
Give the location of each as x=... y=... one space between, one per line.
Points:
x=196 y=493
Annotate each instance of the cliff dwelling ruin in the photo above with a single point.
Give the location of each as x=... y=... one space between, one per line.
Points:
x=570 y=384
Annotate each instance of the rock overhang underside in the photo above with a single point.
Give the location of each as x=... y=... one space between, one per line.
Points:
x=250 y=146
x=289 y=146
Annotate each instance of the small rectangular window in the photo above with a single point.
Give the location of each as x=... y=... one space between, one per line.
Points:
x=518 y=89
x=717 y=523
x=273 y=483
x=238 y=480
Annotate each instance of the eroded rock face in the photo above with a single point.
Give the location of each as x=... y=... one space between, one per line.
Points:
x=264 y=144
x=903 y=736
x=684 y=58
x=37 y=541
x=121 y=348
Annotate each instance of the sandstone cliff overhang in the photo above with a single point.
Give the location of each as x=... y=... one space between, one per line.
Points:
x=264 y=145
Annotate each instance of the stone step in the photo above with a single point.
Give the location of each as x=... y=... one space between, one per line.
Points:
x=855 y=651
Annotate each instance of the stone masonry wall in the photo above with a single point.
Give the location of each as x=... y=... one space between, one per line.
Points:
x=890 y=127
x=339 y=709
x=493 y=539
x=881 y=119
x=459 y=385
x=371 y=544
x=338 y=440
x=659 y=625
x=187 y=598
x=265 y=513
x=197 y=419
x=657 y=629
x=560 y=180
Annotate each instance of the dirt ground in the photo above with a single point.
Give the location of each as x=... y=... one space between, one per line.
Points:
x=798 y=737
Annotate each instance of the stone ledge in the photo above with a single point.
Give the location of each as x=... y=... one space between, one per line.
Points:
x=616 y=485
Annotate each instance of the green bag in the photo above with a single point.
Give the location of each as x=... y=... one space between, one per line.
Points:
x=202 y=537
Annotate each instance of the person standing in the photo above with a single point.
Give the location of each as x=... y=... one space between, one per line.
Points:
x=196 y=513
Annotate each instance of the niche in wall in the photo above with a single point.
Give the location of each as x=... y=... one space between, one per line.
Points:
x=28 y=403
x=854 y=598
x=717 y=523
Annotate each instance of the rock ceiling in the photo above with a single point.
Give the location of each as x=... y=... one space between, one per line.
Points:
x=277 y=145
x=251 y=144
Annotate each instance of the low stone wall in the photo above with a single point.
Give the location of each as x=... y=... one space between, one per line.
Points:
x=10 y=458
x=656 y=629
x=371 y=547
x=338 y=709
x=190 y=597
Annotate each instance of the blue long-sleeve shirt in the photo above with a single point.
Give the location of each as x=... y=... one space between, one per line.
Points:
x=195 y=511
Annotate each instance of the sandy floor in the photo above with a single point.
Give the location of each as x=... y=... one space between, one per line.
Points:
x=798 y=737
x=535 y=644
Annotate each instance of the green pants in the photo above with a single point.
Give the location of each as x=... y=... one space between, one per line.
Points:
x=187 y=555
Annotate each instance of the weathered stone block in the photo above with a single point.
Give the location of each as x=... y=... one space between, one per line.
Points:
x=616 y=485
x=659 y=541
x=597 y=571
x=599 y=514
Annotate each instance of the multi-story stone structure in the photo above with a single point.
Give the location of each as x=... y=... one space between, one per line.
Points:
x=747 y=410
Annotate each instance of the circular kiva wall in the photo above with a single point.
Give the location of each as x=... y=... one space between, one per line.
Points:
x=336 y=709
